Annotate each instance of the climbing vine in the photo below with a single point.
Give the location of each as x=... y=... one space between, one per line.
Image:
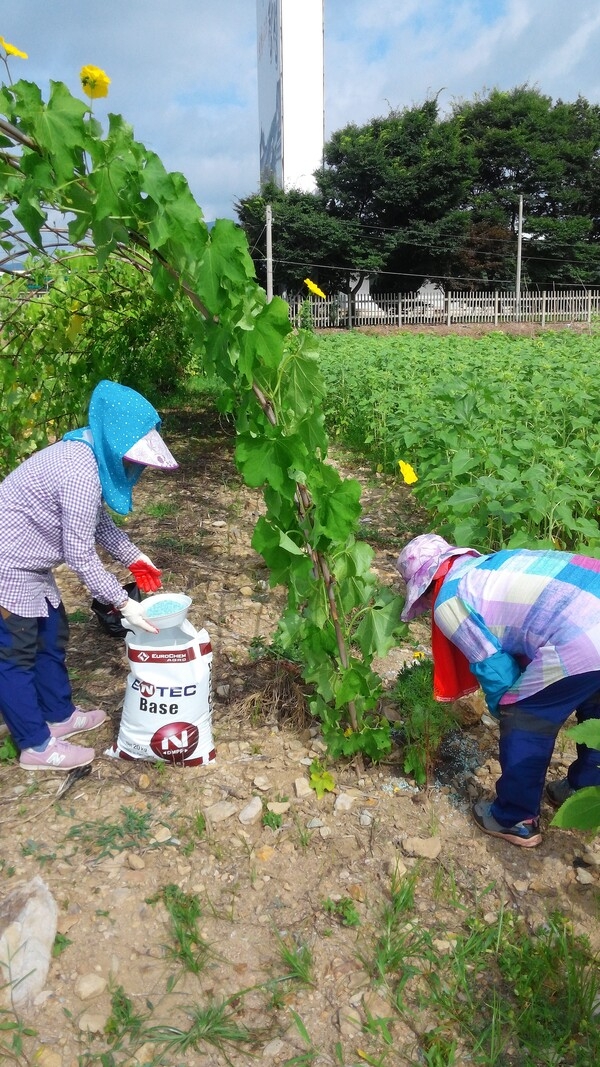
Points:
x=67 y=184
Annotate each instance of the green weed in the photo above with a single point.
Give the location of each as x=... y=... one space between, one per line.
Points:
x=214 y=1025
x=61 y=942
x=344 y=910
x=106 y=837
x=161 y=510
x=424 y=721
x=8 y=750
x=123 y=1020
x=189 y=948
x=298 y=960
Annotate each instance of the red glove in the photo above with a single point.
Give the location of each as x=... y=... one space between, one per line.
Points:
x=147 y=576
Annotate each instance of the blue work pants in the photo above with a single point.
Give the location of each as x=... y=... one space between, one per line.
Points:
x=528 y=732
x=34 y=683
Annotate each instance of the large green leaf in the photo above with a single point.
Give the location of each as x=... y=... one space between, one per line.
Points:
x=586 y=733
x=581 y=811
x=381 y=627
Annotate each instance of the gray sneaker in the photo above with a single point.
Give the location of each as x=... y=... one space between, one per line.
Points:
x=558 y=792
x=526 y=834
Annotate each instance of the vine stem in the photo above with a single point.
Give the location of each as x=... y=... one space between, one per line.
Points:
x=302 y=496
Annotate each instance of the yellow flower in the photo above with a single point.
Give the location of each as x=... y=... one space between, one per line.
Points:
x=314 y=288
x=11 y=50
x=407 y=472
x=94 y=81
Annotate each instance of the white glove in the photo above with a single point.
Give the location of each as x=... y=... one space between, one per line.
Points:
x=132 y=612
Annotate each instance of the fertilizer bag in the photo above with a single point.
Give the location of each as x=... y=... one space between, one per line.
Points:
x=167 y=712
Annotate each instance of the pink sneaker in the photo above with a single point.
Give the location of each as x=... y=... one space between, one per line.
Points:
x=77 y=722
x=57 y=756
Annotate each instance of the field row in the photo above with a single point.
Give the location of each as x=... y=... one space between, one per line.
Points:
x=501 y=431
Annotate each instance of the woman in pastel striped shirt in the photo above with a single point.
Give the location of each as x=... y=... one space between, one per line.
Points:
x=527 y=624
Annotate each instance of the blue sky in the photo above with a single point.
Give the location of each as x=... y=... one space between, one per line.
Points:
x=184 y=71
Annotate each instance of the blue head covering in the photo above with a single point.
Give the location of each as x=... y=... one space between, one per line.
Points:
x=118 y=418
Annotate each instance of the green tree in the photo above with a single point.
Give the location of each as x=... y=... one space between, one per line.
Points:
x=524 y=144
x=308 y=240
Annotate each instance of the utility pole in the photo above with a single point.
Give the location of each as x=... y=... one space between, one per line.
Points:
x=519 y=246
x=269 y=225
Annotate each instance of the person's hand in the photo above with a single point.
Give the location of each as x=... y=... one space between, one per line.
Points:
x=132 y=612
x=147 y=576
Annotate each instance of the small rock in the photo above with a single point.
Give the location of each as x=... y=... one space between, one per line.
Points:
x=357 y=892
x=146 y=1053
x=137 y=863
x=365 y=819
x=349 y=1022
x=144 y=781
x=223 y=692
x=302 y=787
x=521 y=885
x=395 y=866
x=264 y=853
x=89 y=986
x=425 y=847
x=262 y=783
x=375 y=1006
x=584 y=877
x=325 y=831
x=92 y=1022
x=47 y=1057
x=343 y=802
x=278 y=808
x=314 y=824
x=162 y=834
x=442 y=946
x=251 y=813
x=246 y=590
x=220 y=811
x=273 y=1048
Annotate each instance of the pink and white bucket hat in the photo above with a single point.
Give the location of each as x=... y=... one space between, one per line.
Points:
x=417 y=564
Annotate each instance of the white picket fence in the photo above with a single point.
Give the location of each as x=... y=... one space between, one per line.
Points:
x=495 y=308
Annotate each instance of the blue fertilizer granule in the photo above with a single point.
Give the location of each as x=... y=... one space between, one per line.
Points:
x=163 y=607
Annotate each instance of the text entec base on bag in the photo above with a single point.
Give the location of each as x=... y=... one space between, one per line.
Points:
x=167 y=711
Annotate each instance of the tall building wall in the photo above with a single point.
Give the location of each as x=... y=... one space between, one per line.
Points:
x=290 y=91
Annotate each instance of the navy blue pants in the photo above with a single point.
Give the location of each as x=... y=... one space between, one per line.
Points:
x=34 y=684
x=528 y=732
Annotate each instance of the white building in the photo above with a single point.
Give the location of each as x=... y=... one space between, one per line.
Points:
x=290 y=91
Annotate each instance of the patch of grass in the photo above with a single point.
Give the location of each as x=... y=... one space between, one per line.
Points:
x=103 y=837
x=213 y=1024
x=12 y=1032
x=298 y=960
x=189 y=947
x=273 y=819
x=123 y=1020
x=61 y=942
x=344 y=910
x=401 y=947
x=32 y=848
x=8 y=750
x=518 y=999
x=424 y=721
x=178 y=544
x=161 y=510
x=78 y=616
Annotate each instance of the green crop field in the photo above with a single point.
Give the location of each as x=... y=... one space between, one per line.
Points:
x=502 y=431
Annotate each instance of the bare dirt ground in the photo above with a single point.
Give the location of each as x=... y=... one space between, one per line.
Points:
x=109 y=847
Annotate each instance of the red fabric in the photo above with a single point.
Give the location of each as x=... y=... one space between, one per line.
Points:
x=452 y=676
